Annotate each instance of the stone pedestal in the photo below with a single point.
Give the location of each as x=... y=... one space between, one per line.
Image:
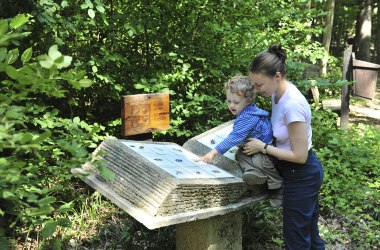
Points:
x=222 y=232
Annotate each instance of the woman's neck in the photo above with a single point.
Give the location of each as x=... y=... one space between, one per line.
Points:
x=282 y=87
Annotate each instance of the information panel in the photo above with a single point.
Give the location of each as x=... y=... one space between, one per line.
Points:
x=177 y=161
x=145 y=113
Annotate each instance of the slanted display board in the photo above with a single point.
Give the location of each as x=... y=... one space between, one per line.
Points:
x=176 y=161
x=161 y=183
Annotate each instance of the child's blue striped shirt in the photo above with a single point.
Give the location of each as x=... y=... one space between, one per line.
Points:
x=252 y=122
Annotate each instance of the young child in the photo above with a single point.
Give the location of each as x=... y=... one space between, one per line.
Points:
x=250 y=122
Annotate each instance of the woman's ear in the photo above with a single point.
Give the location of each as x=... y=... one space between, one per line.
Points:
x=278 y=75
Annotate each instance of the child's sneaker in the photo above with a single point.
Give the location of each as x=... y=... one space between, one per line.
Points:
x=251 y=177
x=276 y=197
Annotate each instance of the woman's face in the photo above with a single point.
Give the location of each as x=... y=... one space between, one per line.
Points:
x=266 y=85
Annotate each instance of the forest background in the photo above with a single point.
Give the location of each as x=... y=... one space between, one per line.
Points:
x=64 y=66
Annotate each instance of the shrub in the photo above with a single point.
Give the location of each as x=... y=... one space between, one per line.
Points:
x=351 y=187
x=37 y=146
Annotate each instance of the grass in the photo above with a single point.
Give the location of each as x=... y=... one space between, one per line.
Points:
x=99 y=224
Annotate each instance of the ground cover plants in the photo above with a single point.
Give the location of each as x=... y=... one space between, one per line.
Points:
x=64 y=66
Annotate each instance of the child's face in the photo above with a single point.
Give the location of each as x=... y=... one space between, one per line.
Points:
x=236 y=103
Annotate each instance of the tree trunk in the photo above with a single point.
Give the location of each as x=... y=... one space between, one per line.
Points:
x=326 y=41
x=378 y=33
x=364 y=36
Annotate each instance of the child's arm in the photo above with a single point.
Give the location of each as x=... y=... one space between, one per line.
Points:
x=241 y=130
x=242 y=127
x=209 y=156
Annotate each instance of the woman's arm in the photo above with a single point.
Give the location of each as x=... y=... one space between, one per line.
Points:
x=298 y=140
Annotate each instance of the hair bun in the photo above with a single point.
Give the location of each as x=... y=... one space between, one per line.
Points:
x=276 y=49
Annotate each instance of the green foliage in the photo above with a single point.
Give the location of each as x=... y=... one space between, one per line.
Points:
x=324 y=127
x=52 y=114
x=351 y=189
x=262 y=227
x=38 y=147
x=189 y=53
x=351 y=186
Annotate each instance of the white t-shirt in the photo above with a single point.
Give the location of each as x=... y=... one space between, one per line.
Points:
x=292 y=107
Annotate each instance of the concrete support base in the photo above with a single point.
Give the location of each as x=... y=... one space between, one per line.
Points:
x=216 y=233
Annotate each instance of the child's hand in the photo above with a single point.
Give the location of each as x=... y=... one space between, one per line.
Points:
x=209 y=156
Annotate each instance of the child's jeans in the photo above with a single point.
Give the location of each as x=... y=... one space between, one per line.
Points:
x=261 y=164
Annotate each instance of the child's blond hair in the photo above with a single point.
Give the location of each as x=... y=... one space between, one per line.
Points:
x=241 y=86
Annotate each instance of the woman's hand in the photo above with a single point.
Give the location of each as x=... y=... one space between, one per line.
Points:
x=253 y=146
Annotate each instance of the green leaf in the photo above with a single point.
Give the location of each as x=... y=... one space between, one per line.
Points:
x=12 y=72
x=64 y=4
x=65 y=63
x=49 y=229
x=58 y=41
x=100 y=8
x=12 y=114
x=54 y=53
x=42 y=137
x=3 y=27
x=7 y=195
x=75 y=84
x=3 y=162
x=65 y=207
x=27 y=137
x=64 y=222
x=12 y=56
x=139 y=86
x=94 y=69
x=89 y=4
x=106 y=173
x=39 y=211
x=45 y=61
x=46 y=201
x=25 y=57
x=3 y=53
x=91 y=13
x=18 y=21
x=85 y=82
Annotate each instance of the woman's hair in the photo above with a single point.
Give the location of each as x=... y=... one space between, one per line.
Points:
x=241 y=86
x=270 y=62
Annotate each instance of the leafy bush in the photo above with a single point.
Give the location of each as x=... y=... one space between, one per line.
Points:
x=37 y=147
x=351 y=187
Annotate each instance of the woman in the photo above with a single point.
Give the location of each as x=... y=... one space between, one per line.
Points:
x=298 y=164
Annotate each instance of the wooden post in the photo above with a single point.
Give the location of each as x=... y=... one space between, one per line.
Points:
x=345 y=104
